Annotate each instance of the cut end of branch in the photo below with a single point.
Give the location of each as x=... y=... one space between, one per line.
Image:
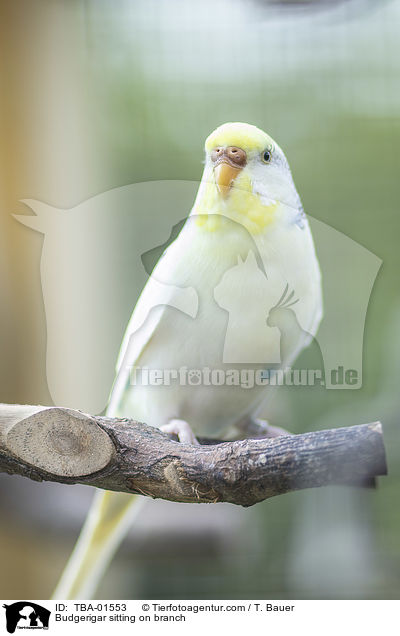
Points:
x=62 y=442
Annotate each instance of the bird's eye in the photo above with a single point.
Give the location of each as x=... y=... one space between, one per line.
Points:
x=266 y=156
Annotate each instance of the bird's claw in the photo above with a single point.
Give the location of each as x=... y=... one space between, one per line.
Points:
x=182 y=430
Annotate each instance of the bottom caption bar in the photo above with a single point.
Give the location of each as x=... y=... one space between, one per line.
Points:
x=64 y=617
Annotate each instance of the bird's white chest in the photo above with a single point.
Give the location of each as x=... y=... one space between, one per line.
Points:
x=238 y=279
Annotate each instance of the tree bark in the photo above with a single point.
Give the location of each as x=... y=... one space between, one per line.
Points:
x=70 y=447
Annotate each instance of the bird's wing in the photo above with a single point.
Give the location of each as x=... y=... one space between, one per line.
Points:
x=159 y=292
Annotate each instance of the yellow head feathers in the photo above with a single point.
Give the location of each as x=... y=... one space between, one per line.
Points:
x=245 y=136
x=246 y=178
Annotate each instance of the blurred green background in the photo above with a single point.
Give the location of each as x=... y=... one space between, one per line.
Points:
x=95 y=95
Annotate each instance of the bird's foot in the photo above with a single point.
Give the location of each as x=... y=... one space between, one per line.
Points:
x=182 y=430
x=258 y=428
x=266 y=430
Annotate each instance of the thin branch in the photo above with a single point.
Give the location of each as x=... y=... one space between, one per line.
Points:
x=70 y=447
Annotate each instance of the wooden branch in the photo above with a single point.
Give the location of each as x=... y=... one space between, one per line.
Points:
x=69 y=447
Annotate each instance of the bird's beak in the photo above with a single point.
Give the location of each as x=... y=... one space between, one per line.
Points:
x=225 y=174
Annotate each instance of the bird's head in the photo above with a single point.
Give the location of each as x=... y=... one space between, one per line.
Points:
x=246 y=177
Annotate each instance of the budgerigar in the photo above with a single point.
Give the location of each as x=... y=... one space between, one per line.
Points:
x=245 y=248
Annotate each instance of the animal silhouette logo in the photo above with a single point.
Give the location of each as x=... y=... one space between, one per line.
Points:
x=273 y=318
x=283 y=317
x=234 y=293
x=91 y=274
x=26 y=615
x=97 y=256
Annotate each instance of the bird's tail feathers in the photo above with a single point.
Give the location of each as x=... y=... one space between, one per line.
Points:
x=106 y=525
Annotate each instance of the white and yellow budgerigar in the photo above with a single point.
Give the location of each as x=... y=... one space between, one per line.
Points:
x=245 y=248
